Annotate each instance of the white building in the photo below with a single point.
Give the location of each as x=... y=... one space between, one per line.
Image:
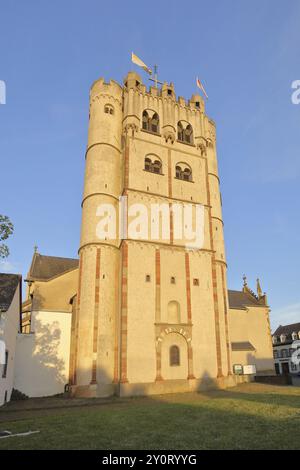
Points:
x=43 y=346
x=285 y=340
x=10 y=323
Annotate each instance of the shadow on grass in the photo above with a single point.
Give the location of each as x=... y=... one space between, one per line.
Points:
x=214 y=420
x=273 y=396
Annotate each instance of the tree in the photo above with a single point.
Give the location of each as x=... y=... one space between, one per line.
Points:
x=6 y=229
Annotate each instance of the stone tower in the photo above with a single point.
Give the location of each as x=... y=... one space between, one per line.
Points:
x=151 y=314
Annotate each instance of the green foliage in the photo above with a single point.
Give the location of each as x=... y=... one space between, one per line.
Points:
x=6 y=229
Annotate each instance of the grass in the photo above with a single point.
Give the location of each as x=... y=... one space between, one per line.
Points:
x=250 y=416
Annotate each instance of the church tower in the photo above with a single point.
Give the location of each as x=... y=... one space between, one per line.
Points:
x=151 y=313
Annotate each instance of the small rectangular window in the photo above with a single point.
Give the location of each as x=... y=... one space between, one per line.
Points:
x=5 y=365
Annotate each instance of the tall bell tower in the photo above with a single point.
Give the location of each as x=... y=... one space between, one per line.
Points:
x=151 y=314
x=97 y=309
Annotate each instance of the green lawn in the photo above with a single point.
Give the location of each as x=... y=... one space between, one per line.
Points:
x=250 y=416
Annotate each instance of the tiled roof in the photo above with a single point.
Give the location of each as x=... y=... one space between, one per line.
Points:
x=239 y=299
x=8 y=286
x=242 y=346
x=46 y=267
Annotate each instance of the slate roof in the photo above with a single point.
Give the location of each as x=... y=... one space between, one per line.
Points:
x=242 y=346
x=44 y=268
x=8 y=286
x=287 y=329
x=239 y=299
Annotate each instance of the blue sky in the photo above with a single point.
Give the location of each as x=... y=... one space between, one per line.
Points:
x=247 y=55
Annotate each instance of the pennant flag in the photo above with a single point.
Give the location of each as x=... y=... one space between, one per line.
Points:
x=140 y=63
x=199 y=85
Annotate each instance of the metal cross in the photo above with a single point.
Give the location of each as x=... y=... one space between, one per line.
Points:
x=155 y=80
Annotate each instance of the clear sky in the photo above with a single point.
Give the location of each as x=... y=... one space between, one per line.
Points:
x=247 y=55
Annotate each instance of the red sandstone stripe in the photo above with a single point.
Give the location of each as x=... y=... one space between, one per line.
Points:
x=171 y=224
x=94 y=372
x=217 y=324
x=116 y=345
x=188 y=287
x=157 y=285
x=79 y=281
x=124 y=313
x=74 y=374
x=96 y=315
x=158 y=362
x=226 y=322
x=73 y=345
x=214 y=282
x=169 y=173
x=97 y=296
x=190 y=362
x=157 y=266
x=126 y=161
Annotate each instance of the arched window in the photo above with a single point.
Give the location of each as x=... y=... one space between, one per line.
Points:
x=178 y=172
x=145 y=121
x=148 y=164
x=294 y=336
x=153 y=164
x=188 y=134
x=156 y=166
x=180 y=132
x=183 y=172
x=109 y=109
x=184 y=132
x=187 y=173
x=154 y=123
x=174 y=356
x=150 y=121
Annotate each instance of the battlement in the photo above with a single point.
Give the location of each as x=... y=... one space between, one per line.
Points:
x=133 y=81
x=166 y=91
x=101 y=86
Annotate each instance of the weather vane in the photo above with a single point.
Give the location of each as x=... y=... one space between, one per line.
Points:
x=136 y=60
